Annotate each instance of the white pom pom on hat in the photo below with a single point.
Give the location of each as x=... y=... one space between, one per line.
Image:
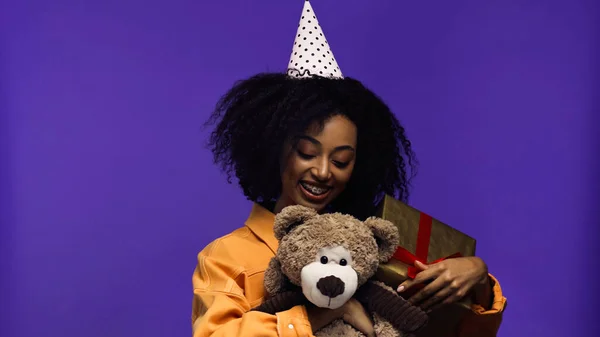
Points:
x=311 y=53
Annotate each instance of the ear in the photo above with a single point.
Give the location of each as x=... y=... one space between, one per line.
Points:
x=387 y=237
x=291 y=217
x=275 y=281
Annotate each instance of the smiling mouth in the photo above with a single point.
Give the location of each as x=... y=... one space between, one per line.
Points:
x=314 y=191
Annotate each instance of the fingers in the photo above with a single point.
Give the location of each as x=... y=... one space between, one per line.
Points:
x=435 y=300
x=357 y=316
x=425 y=293
x=439 y=305
x=361 y=323
x=444 y=297
x=420 y=265
x=430 y=273
x=452 y=298
x=364 y=326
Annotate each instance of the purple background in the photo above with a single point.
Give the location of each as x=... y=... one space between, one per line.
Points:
x=107 y=193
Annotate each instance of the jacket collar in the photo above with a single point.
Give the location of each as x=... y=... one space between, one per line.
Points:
x=261 y=222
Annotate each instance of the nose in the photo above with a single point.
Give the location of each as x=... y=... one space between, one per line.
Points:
x=321 y=171
x=331 y=286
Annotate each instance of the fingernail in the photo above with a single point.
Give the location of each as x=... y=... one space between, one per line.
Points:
x=400 y=288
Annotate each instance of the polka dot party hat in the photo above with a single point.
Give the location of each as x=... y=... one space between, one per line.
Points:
x=311 y=54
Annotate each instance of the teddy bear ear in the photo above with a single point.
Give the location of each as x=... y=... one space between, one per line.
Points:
x=290 y=217
x=387 y=237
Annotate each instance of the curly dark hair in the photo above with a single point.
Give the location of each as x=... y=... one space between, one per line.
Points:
x=258 y=115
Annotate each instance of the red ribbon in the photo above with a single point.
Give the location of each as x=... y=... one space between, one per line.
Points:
x=422 y=249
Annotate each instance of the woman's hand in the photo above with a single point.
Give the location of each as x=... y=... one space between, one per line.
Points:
x=355 y=314
x=352 y=312
x=449 y=281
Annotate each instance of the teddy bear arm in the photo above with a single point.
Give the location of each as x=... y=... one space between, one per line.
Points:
x=281 y=302
x=404 y=316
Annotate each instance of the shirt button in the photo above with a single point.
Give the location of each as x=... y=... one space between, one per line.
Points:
x=291 y=326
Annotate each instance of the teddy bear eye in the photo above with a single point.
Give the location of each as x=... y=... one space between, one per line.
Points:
x=343 y=262
x=324 y=259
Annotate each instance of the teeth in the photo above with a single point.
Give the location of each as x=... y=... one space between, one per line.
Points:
x=314 y=189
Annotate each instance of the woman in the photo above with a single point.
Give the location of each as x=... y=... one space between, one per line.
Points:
x=330 y=144
x=322 y=142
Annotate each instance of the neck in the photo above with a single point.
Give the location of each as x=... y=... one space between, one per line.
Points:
x=280 y=204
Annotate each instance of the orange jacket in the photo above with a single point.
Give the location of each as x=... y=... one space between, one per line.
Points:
x=228 y=282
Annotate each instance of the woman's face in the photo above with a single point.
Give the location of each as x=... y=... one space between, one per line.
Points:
x=315 y=171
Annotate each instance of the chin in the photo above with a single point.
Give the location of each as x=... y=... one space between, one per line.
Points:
x=319 y=207
x=316 y=206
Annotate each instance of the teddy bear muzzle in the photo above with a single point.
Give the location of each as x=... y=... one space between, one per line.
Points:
x=328 y=285
x=331 y=286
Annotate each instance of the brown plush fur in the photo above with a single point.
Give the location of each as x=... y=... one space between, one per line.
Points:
x=299 y=245
x=302 y=232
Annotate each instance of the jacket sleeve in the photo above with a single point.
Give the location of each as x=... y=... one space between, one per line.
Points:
x=480 y=322
x=220 y=308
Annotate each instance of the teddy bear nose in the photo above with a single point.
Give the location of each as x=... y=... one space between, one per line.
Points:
x=331 y=286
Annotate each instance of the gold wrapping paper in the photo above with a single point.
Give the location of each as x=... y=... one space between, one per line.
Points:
x=443 y=242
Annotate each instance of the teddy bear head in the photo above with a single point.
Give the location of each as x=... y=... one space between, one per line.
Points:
x=328 y=255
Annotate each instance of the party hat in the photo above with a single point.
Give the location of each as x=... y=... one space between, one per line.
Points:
x=311 y=54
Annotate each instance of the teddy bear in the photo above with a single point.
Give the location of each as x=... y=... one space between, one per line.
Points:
x=326 y=259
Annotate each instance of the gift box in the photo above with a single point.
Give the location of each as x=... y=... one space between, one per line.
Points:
x=427 y=240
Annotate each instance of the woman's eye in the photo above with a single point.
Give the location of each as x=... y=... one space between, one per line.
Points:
x=304 y=155
x=340 y=164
